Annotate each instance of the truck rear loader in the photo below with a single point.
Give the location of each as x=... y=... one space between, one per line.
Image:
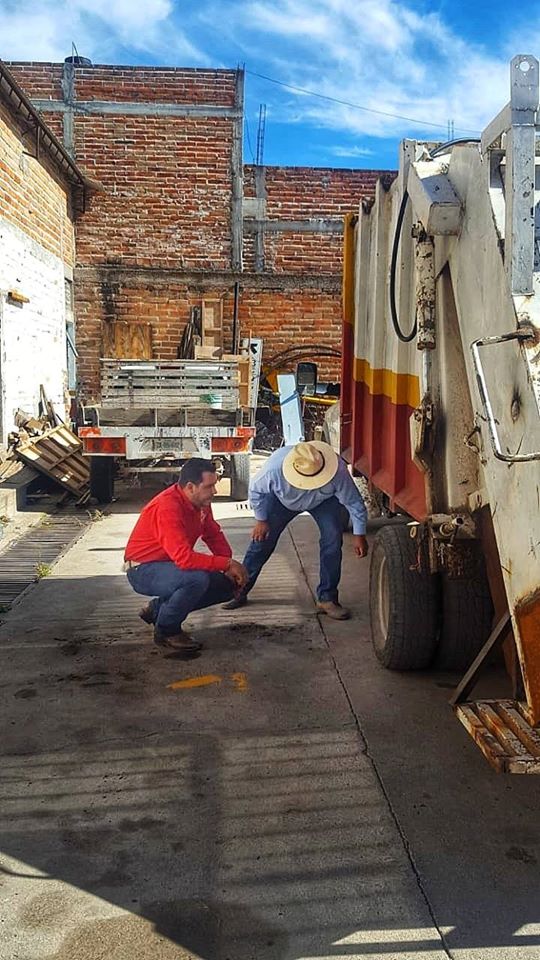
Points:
x=440 y=410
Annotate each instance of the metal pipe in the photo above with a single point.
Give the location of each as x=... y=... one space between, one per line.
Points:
x=235 y=330
x=486 y=402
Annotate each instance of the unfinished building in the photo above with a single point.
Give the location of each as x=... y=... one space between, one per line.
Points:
x=179 y=217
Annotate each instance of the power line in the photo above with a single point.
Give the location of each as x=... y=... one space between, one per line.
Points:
x=356 y=106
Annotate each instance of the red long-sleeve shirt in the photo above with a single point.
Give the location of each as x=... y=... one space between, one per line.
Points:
x=168 y=529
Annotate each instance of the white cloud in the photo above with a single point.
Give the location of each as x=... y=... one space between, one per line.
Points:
x=378 y=53
x=350 y=151
x=381 y=54
x=99 y=28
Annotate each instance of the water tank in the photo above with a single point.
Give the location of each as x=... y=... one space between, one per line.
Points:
x=78 y=61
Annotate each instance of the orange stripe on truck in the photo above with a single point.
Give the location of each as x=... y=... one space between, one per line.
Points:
x=398 y=387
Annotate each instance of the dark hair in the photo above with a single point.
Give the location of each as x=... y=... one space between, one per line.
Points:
x=192 y=471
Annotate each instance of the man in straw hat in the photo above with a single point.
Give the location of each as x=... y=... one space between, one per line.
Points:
x=308 y=477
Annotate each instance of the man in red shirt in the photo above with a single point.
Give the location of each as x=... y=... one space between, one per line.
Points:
x=161 y=563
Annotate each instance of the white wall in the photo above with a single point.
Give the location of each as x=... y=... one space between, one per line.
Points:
x=32 y=336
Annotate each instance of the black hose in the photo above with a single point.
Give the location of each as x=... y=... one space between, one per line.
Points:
x=443 y=147
x=405 y=338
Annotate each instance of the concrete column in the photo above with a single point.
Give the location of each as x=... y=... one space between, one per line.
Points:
x=237 y=175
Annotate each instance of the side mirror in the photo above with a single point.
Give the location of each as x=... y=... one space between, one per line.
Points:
x=306 y=378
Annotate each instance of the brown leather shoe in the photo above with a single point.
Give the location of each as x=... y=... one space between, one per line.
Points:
x=181 y=642
x=333 y=610
x=147 y=613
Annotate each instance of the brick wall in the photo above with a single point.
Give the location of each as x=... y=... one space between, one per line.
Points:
x=293 y=234
x=36 y=257
x=130 y=84
x=295 y=315
x=166 y=180
x=166 y=197
x=33 y=197
x=295 y=197
x=161 y=233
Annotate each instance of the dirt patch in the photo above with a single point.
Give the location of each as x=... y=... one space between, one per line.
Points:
x=521 y=855
x=27 y=693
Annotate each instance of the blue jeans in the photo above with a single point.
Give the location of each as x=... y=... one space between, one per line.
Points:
x=327 y=516
x=177 y=592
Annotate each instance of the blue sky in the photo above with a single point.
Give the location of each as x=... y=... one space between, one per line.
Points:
x=431 y=63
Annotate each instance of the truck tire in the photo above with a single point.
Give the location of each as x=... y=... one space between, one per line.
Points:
x=240 y=476
x=403 y=602
x=467 y=618
x=102 y=479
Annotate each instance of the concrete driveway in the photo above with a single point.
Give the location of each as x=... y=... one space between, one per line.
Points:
x=280 y=797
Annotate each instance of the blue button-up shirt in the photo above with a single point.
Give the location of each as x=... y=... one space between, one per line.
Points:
x=270 y=480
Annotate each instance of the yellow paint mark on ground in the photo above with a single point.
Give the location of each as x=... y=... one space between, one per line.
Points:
x=240 y=681
x=190 y=682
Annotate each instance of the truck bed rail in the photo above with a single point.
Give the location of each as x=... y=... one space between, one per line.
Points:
x=212 y=384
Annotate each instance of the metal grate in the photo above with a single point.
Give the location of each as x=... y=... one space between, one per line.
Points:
x=43 y=544
x=502 y=730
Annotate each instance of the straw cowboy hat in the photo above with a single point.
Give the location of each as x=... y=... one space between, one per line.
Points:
x=309 y=466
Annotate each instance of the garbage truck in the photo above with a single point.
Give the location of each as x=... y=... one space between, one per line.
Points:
x=440 y=410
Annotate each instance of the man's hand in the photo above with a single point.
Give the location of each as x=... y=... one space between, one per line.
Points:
x=237 y=573
x=361 y=546
x=260 y=531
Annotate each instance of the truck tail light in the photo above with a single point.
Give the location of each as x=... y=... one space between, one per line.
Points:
x=106 y=446
x=230 y=444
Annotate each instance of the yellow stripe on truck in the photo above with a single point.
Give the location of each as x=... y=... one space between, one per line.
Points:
x=398 y=387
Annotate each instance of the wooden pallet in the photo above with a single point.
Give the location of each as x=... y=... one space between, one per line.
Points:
x=212 y=323
x=57 y=454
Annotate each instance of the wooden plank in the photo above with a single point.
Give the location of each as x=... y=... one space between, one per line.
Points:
x=520 y=727
x=200 y=369
x=490 y=747
x=190 y=383
x=171 y=396
x=212 y=322
x=497 y=725
x=19 y=473
x=203 y=352
x=522 y=765
x=122 y=338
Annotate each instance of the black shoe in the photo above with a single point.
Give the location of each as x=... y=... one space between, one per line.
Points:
x=235 y=603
